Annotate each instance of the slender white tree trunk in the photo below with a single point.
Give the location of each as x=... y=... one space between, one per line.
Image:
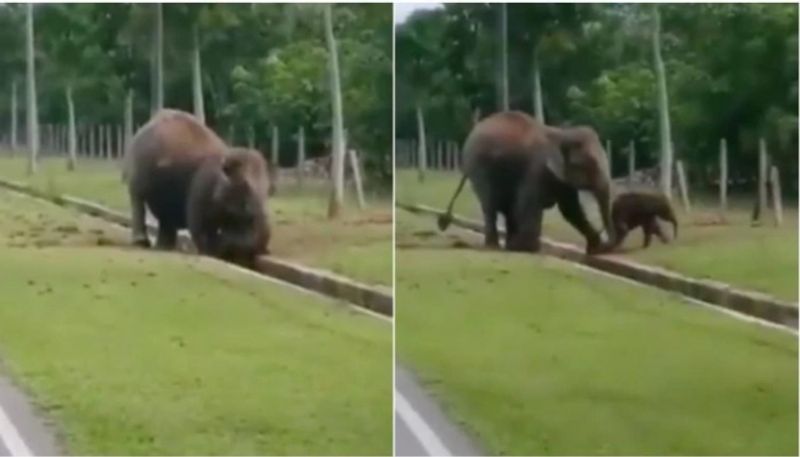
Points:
x=422 y=153
x=197 y=77
x=128 y=118
x=777 y=203
x=503 y=30
x=72 y=145
x=158 y=59
x=275 y=146
x=665 y=180
x=301 y=155
x=723 y=176
x=337 y=162
x=631 y=162
x=33 y=127
x=538 y=107
x=14 y=110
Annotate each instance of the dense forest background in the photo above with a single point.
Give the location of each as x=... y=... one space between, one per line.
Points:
x=262 y=65
x=731 y=72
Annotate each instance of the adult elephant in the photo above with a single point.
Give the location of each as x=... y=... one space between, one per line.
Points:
x=518 y=167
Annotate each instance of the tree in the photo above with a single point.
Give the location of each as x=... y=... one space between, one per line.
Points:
x=502 y=31
x=197 y=76
x=665 y=134
x=33 y=126
x=337 y=164
x=157 y=88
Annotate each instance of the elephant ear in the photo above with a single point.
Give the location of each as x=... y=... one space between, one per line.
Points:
x=556 y=162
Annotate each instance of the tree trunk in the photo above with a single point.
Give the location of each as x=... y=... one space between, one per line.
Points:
x=356 y=169
x=631 y=162
x=33 y=127
x=197 y=77
x=761 y=203
x=422 y=153
x=128 y=118
x=274 y=150
x=337 y=162
x=777 y=204
x=14 y=127
x=157 y=74
x=665 y=179
x=72 y=145
x=301 y=155
x=503 y=73
x=538 y=107
x=723 y=176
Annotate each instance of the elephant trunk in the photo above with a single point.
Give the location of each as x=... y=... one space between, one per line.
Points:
x=670 y=217
x=603 y=196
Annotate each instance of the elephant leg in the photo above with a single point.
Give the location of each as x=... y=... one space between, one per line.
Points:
x=527 y=220
x=511 y=224
x=138 y=223
x=648 y=234
x=491 y=238
x=167 y=237
x=570 y=207
x=483 y=190
x=657 y=230
x=622 y=231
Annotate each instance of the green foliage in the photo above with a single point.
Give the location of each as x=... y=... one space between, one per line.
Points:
x=262 y=65
x=731 y=72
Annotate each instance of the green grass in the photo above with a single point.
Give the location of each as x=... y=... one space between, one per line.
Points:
x=136 y=352
x=537 y=357
x=358 y=245
x=758 y=258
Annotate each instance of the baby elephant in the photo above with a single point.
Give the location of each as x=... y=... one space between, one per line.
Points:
x=641 y=209
x=226 y=207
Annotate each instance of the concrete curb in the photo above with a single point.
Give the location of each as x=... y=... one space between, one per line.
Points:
x=716 y=293
x=375 y=298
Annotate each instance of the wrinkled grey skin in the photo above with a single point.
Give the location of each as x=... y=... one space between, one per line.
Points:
x=161 y=162
x=174 y=162
x=641 y=209
x=226 y=208
x=518 y=167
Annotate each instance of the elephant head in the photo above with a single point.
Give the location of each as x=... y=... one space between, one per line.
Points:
x=578 y=159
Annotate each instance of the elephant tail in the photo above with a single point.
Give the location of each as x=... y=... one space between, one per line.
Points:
x=446 y=218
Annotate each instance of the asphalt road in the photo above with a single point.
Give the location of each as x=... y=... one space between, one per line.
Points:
x=421 y=427
x=22 y=432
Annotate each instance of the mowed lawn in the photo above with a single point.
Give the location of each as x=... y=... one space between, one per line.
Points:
x=134 y=352
x=757 y=258
x=537 y=357
x=357 y=245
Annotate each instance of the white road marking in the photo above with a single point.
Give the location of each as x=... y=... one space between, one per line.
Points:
x=10 y=436
x=423 y=432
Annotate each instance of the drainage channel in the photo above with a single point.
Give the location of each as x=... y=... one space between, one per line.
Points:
x=376 y=299
x=712 y=293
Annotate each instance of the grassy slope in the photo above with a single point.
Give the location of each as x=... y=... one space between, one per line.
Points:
x=358 y=245
x=763 y=258
x=539 y=358
x=154 y=353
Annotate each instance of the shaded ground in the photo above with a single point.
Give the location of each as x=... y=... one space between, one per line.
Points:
x=538 y=357
x=758 y=258
x=140 y=352
x=358 y=245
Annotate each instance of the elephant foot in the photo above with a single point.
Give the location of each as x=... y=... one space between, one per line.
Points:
x=599 y=248
x=533 y=246
x=141 y=241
